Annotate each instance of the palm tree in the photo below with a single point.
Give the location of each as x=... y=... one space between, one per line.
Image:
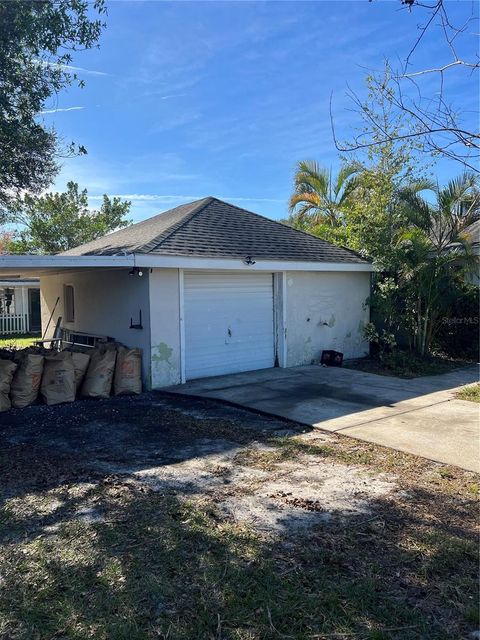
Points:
x=320 y=198
x=436 y=254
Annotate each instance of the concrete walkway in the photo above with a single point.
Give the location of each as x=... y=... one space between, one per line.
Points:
x=419 y=416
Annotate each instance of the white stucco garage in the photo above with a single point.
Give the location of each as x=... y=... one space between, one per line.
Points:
x=207 y=289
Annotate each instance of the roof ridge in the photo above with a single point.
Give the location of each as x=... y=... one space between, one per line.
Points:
x=161 y=237
x=306 y=233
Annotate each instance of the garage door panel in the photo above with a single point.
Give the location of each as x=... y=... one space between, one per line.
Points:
x=228 y=323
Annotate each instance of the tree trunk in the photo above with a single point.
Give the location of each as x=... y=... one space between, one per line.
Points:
x=424 y=332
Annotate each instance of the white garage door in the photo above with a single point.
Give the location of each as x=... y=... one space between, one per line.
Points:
x=228 y=323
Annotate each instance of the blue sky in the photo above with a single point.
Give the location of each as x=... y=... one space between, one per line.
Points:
x=189 y=99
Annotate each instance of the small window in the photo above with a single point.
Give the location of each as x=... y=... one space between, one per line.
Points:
x=69 y=303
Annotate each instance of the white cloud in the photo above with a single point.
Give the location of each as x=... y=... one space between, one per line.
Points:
x=69 y=67
x=88 y=72
x=175 y=95
x=61 y=110
x=153 y=197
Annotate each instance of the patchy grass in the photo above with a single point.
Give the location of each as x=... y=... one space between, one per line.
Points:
x=471 y=393
x=406 y=364
x=18 y=341
x=90 y=555
x=282 y=449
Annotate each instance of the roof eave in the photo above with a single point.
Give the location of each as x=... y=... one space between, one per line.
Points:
x=29 y=266
x=196 y=262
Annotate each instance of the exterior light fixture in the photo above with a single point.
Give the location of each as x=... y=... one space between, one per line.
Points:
x=135 y=271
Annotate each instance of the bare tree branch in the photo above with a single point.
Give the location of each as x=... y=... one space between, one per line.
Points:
x=430 y=116
x=472 y=65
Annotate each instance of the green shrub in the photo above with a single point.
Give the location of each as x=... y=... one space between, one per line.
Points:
x=458 y=333
x=409 y=364
x=381 y=342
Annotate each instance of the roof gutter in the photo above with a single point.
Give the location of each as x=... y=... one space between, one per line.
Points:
x=185 y=262
x=62 y=262
x=28 y=265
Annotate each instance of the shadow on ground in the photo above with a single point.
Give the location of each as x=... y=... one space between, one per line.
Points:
x=90 y=550
x=164 y=568
x=419 y=416
x=88 y=439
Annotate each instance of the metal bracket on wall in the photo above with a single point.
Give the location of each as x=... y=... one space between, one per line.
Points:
x=139 y=325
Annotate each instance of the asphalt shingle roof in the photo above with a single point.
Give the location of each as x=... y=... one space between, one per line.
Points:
x=216 y=229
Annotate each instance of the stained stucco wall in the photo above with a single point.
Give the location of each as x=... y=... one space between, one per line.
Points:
x=165 y=319
x=105 y=300
x=325 y=310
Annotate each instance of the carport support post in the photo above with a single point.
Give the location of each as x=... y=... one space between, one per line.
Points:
x=181 y=304
x=280 y=315
x=25 y=310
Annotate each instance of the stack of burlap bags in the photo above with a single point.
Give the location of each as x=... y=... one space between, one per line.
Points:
x=20 y=378
x=61 y=377
x=113 y=364
x=7 y=369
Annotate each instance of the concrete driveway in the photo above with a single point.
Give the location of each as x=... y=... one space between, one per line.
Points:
x=419 y=416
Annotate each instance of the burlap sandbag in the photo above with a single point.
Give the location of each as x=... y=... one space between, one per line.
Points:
x=58 y=381
x=80 y=363
x=26 y=381
x=98 y=381
x=7 y=369
x=128 y=372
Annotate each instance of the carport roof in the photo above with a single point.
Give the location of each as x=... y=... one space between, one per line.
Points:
x=211 y=228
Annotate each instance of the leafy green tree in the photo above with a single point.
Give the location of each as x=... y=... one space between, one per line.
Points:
x=408 y=237
x=37 y=39
x=429 y=282
x=56 y=222
x=432 y=260
x=389 y=165
x=376 y=215
x=359 y=208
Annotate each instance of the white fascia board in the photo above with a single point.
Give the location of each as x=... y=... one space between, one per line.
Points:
x=182 y=262
x=63 y=262
x=29 y=263
x=12 y=282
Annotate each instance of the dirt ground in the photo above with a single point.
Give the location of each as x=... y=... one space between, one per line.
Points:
x=355 y=540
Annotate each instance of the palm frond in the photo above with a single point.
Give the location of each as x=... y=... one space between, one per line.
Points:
x=310 y=176
x=304 y=203
x=317 y=196
x=422 y=184
x=345 y=177
x=457 y=192
x=417 y=210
